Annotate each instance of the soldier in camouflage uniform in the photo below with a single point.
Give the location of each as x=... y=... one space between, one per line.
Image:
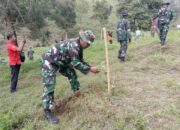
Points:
x=64 y=57
x=123 y=35
x=165 y=15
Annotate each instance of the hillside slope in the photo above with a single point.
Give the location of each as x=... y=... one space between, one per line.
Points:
x=146 y=93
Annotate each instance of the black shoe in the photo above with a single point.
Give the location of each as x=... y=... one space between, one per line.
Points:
x=122 y=59
x=163 y=43
x=12 y=91
x=51 y=117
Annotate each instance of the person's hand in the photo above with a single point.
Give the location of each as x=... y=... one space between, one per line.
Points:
x=24 y=40
x=94 y=70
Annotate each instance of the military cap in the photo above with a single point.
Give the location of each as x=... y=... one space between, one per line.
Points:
x=87 y=36
x=124 y=13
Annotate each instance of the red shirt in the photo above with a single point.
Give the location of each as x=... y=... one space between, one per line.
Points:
x=14 y=55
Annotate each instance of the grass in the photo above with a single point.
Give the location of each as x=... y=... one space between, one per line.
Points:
x=145 y=94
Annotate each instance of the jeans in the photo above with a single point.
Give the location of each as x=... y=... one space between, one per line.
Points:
x=14 y=76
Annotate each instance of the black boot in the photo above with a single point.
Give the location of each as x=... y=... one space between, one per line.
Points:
x=122 y=59
x=162 y=42
x=51 y=117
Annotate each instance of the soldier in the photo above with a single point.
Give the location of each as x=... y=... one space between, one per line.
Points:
x=123 y=35
x=30 y=54
x=165 y=15
x=64 y=56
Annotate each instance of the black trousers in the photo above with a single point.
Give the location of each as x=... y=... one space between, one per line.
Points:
x=14 y=76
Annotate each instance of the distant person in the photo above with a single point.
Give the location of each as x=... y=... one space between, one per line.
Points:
x=109 y=36
x=63 y=37
x=56 y=41
x=123 y=35
x=14 y=58
x=2 y=61
x=138 y=34
x=178 y=27
x=65 y=57
x=165 y=16
x=30 y=54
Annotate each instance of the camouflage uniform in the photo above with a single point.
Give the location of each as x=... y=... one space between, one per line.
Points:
x=63 y=56
x=164 y=15
x=123 y=35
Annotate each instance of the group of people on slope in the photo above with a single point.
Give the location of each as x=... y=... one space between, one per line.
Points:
x=67 y=55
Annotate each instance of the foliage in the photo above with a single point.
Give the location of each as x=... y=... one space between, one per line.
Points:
x=82 y=10
x=140 y=12
x=11 y=121
x=64 y=14
x=32 y=13
x=102 y=11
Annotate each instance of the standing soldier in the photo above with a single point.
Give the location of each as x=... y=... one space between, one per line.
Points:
x=64 y=56
x=30 y=53
x=123 y=35
x=165 y=15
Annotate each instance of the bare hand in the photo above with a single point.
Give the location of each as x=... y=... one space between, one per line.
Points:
x=24 y=40
x=94 y=70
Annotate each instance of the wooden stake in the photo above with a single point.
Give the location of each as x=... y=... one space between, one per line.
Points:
x=66 y=35
x=107 y=60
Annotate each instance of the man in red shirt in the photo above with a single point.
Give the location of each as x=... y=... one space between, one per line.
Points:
x=14 y=58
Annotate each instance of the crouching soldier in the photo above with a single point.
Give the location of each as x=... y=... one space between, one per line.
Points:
x=64 y=57
x=123 y=35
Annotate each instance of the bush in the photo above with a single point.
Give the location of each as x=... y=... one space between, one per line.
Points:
x=9 y=121
x=38 y=45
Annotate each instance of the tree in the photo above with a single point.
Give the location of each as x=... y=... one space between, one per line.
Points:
x=102 y=11
x=140 y=12
x=82 y=8
x=64 y=14
x=32 y=14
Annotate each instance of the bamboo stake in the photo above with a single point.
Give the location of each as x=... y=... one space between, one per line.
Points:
x=107 y=61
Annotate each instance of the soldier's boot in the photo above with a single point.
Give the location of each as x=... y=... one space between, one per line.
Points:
x=119 y=55
x=162 y=42
x=50 y=117
x=122 y=59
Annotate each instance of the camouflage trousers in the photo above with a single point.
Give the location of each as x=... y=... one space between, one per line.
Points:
x=163 y=32
x=49 y=81
x=123 y=49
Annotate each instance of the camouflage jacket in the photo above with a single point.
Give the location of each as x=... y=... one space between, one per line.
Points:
x=123 y=30
x=66 y=54
x=165 y=15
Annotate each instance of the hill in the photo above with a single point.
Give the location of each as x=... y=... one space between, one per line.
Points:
x=145 y=94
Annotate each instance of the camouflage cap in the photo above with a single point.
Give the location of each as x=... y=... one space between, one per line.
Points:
x=87 y=36
x=124 y=13
x=166 y=2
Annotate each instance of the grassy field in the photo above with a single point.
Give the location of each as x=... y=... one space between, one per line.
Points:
x=146 y=93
